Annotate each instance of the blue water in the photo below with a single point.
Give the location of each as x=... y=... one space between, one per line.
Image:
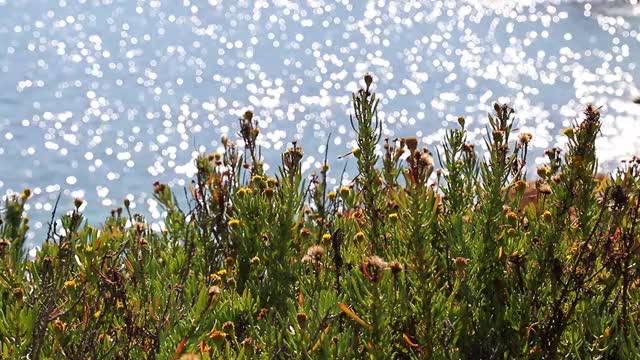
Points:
x=99 y=99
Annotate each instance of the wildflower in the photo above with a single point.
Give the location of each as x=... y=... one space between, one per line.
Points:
x=468 y=148
x=214 y=291
x=248 y=342
x=326 y=238
x=426 y=159
x=305 y=233
x=332 y=195
x=512 y=217
x=257 y=179
x=393 y=217
x=4 y=244
x=268 y=192
x=412 y=143
x=373 y=267
x=302 y=319
x=546 y=215
x=59 y=325
x=521 y=185
x=525 y=138
x=368 y=80
x=204 y=348
x=222 y=272
x=77 y=202
x=229 y=261
x=228 y=327
x=568 y=132
x=344 y=191
x=461 y=265
x=18 y=293
x=360 y=236
x=143 y=242
x=461 y=121
x=217 y=335
x=97 y=314
x=70 y=283
x=255 y=260
x=542 y=187
x=395 y=267
x=262 y=314
x=314 y=254
x=127 y=202
x=356 y=152
x=234 y=222
x=26 y=193
x=244 y=191
x=577 y=160
x=544 y=172
x=272 y=182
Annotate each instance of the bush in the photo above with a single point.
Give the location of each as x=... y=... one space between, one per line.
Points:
x=406 y=262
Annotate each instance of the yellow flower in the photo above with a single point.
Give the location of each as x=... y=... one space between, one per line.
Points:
x=222 y=272
x=97 y=314
x=360 y=236
x=332 y=195
x=393 y=217
x=356 y=152
x=512 y=217
x=546 y=215
x=255 y=260
x=544 y=172
x=344 y=191
x=272 y=182
x=568 y=132
x=70 y=283
x=326 y=237
x=234 y=222
x=521 y=185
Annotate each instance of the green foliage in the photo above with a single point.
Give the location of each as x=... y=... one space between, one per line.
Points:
x=467 y=260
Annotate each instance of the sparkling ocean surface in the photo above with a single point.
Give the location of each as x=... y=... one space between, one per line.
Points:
x=100 y=98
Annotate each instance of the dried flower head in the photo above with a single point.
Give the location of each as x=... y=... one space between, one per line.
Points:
x=302 y=319
x=412 y=143
x=396 y=267
x=525 y=138
x=543 y=187
x=373 y=268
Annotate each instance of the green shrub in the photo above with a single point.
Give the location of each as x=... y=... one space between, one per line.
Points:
x=416 y=259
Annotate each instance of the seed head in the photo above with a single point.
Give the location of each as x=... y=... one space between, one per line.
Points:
x=525 y=138
x=373 y=268
x=77 y=202
x=368 y=80
x=395 y=267
x=412 y=143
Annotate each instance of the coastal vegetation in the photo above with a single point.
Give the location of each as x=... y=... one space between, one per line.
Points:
x=425 y=254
